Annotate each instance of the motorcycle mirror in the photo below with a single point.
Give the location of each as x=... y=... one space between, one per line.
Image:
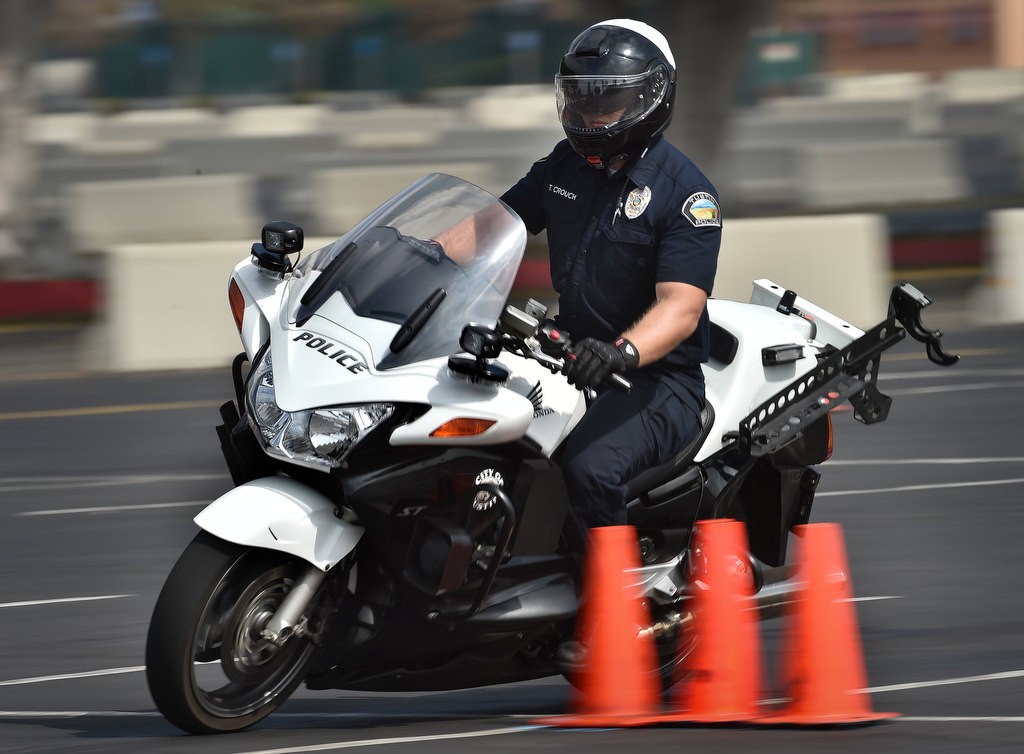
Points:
x=480 y=341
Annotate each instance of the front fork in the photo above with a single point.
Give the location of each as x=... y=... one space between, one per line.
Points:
x=288 y=621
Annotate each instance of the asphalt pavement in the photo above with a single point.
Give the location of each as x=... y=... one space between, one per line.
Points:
x=100 y=475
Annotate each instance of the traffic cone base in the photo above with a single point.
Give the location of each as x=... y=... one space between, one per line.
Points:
x=618 y=683
x=595 y=721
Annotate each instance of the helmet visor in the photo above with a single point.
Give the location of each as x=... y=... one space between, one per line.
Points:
x=592 y=103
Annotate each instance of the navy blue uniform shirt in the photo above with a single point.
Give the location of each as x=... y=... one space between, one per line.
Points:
x=611 y=238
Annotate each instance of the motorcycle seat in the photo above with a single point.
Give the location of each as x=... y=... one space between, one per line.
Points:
x=647 y=482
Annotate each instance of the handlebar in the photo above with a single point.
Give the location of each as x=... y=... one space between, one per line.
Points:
x=519 y=328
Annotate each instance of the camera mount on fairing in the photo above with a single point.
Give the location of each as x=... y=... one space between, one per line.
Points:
x=277 y=240
x=482 y=343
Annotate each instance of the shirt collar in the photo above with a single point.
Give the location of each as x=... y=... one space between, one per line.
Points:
x=641 y=168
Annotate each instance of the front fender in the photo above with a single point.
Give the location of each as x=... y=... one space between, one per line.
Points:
x=281 y=514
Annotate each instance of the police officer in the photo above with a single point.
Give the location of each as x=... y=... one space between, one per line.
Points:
x=633 y=230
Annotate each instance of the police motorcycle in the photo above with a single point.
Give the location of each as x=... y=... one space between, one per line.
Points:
x=399 y=520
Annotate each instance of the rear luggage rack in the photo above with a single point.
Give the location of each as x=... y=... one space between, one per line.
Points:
x=850 y=374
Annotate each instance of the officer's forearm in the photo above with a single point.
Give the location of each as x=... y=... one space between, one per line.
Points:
x=670 y=321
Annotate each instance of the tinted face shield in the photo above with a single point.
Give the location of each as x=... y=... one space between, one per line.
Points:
x=592 y=103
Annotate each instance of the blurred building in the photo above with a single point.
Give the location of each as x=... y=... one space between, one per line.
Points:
x=929 y=36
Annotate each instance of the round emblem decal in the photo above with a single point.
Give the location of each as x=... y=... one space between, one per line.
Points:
x=484 y=499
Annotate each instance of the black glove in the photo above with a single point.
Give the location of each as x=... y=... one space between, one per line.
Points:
x=590 y=362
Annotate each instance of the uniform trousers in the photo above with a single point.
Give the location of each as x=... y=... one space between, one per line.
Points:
x=621 y=435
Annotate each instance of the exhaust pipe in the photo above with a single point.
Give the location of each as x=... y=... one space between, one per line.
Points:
x=780 y=587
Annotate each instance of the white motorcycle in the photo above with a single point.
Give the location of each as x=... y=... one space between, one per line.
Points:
x=399 y=519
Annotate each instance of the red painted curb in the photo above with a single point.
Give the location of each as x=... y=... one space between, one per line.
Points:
x=33 y=298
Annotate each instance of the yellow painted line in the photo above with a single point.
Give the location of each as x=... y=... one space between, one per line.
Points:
x=58 y=413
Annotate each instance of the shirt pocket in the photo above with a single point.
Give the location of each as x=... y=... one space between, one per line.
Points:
x=623 y=269
x=625 y=250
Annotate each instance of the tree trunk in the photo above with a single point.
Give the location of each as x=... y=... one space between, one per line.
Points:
x=18 y=25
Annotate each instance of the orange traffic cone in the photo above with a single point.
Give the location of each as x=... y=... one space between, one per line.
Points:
x=822 y=662
x=618 y=684
x=723 y=679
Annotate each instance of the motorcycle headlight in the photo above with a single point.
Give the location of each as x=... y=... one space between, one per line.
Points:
x=318 y=438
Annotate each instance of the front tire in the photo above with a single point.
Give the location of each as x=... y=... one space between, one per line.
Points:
x=209 y=669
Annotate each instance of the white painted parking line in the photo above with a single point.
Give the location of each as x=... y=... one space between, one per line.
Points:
x=920 y=487
x=955 y=373
x=923 y=461
x=29 y=483
x=71 y=676
x=953 y=388
x=113 y=508
x=62 y=600
x=71 y=714
x=952 y=719
x=947 y=682
x=397 y=740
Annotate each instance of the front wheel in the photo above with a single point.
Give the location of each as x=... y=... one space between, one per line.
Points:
x=208 y=666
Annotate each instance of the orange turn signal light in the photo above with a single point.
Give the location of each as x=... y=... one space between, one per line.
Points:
x=463 y=427
x=237 y=302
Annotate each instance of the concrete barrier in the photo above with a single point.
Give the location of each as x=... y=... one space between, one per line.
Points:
x=166 y=307
x=907 y=171
x=393 y=119
x=342 y=197
x=877 y=86
x=165 y=304
x=999 y=297
x=55 y=177
x=61 y=128
x=824 y=108
x=762 y=126
x=185 y=208
x=982 y=85
x=839 y=262
x=253 y=155
x=159 y=125
x=276 y=120
x=514 y=107
x=760 y=174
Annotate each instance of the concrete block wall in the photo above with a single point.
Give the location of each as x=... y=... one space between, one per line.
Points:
x=839 y=262
x=999 y=297
x=166 y=304
x=184 y=208
x=341 y=197
x=909 y=171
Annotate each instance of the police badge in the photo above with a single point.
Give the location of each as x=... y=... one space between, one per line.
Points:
x=637 y=202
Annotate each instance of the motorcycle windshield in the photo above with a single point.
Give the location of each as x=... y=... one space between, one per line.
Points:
x=439 y=254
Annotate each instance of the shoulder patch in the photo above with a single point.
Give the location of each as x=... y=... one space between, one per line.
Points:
x=701 y=209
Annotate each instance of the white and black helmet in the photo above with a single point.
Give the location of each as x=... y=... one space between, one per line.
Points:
x=619 y=68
